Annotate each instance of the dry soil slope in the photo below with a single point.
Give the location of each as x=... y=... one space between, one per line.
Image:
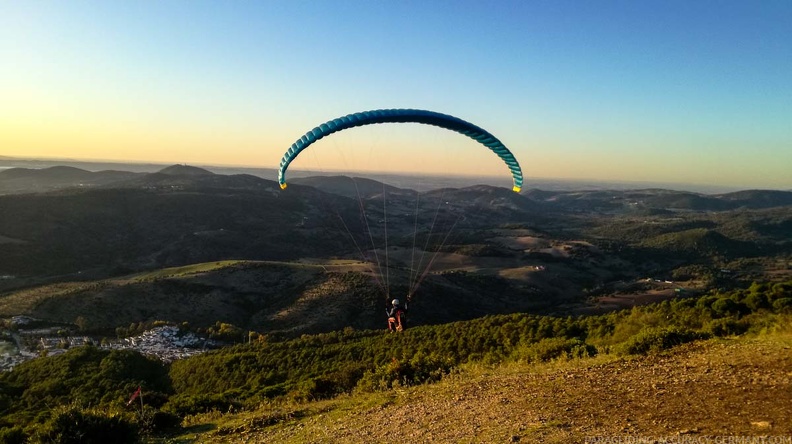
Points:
x=714 y=388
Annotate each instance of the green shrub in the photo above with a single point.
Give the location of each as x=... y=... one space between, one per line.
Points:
x=653 y=340
x=781 y=290
x=726 y=327
x=419 y=370
x=552 y=348
x=70 y=424
x=783 y=305
x=226 y=332
x=727 y=306
x=313 y=389
x=151 y=420
x=757 y=301
x=13 y=435
x=183 y=405
x=724 y=307
x=346 y=379
x=335 y=383
x=764 y=323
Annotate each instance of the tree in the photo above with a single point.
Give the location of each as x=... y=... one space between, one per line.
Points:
x=81 y=323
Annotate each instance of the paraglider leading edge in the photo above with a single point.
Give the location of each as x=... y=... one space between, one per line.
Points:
x=403 y=116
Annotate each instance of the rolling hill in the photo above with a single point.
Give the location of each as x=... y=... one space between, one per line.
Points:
x=26 y=180
x=352 y=187
x=759 y=198
x=630 y=201
x=699 y=243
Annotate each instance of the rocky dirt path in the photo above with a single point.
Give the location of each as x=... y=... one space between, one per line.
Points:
x=715 y=388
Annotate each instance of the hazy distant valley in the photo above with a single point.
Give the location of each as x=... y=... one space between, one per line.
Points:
x=95 y=245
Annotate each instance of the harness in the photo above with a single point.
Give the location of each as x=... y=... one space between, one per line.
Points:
x=395 y=321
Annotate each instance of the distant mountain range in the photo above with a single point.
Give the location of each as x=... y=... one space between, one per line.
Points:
x=418 y=182
x=188 y=177
x=27 y=180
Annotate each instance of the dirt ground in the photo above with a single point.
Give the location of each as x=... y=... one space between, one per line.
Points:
x=697 y=391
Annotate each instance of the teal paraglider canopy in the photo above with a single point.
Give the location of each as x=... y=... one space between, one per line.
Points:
x=402 y=116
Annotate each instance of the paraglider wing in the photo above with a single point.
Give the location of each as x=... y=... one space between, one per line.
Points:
x=402 y=116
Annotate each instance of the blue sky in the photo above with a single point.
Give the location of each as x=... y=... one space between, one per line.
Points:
x=695 y=92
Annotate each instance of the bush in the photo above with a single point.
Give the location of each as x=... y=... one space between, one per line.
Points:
x=727 y=306
x=552 y=348
x=756 y=301
x=183 y=405
x=226 y=332
x=783 y=305
x=781 y=290
x=313 y=389
x=74 y=425
x=419 y=370
x=335 y=383
x=724 y=307
x=653 y=340
x=151 y=420
x=726 y=327
x=13 y=435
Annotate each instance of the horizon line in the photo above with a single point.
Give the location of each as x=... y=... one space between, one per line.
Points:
x=650 y=184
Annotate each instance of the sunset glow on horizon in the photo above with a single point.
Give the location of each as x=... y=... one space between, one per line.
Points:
x=690 y=92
